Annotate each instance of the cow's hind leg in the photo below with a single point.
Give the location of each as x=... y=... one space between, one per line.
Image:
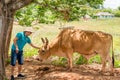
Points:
x=111 y=64
x=104 y=59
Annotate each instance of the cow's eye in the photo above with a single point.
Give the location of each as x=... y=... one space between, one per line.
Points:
x=43 y=51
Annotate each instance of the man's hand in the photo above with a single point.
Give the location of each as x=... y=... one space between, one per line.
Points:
x=17 y=50
x=15 y=43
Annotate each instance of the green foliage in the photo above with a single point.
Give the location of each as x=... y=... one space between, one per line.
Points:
x=61 y=61
x=117 y=63
x=95 y=59
x=30 y=52
x=117 y=13
x=119 y=8
x=48 y=11
x=81 y=60
x=26 y=16
x=107 y=10
x=7 y=62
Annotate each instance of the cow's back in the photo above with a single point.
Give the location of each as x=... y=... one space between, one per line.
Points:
x=88 y=42
x=84 y=42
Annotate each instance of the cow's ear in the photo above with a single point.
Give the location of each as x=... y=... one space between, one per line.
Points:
x=43 y=40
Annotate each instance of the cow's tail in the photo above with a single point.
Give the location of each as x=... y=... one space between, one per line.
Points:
x=113 y=60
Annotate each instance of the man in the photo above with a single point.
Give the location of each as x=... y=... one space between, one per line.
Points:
x=17 y=50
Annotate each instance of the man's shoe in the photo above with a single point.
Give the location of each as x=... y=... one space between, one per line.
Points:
x=12 y=77
x=20 y=75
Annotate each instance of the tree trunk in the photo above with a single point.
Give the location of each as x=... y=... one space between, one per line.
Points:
x=5 y=32
x=2 y=50
x=2 y=67
x=8 y=39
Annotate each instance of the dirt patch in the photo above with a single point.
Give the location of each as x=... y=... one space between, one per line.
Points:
x=34 y=70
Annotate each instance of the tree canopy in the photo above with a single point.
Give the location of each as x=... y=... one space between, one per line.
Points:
x=48 y=11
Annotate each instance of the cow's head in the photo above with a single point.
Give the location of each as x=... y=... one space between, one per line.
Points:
x=43 y=51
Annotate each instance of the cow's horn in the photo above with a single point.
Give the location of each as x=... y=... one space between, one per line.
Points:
x=43 y=40
x=46 y=40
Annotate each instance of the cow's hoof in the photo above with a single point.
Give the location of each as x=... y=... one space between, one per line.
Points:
x=46 y=68
x=101 y=72
x=111 y=74
x=70 y=69
x=67 y=68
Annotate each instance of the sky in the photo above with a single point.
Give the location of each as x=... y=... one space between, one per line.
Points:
x=114 y=4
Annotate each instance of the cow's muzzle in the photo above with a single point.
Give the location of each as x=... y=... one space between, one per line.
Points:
x=40 y=60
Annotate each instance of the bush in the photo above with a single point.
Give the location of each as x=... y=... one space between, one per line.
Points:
x=117 y=13
x=95 y=59
x=7 y=62
x=117 y=64
x=61 y=61
x=81 y=60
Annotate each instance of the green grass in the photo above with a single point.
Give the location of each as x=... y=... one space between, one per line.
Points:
x=111 y=26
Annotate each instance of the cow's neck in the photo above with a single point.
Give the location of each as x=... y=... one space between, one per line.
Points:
x=53 y=47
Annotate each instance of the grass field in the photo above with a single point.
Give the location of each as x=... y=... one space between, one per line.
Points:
x=111 y=26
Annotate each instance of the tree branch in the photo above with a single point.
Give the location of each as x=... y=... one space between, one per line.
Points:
x=20 y=4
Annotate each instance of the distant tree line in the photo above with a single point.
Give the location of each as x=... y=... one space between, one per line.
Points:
x=117 y=12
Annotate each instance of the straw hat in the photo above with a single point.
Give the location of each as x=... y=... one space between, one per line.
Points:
x=29 y=29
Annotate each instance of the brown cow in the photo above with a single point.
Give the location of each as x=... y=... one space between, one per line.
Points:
x=87 y=43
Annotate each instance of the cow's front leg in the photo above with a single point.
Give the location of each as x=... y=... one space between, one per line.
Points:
x=70 y=61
